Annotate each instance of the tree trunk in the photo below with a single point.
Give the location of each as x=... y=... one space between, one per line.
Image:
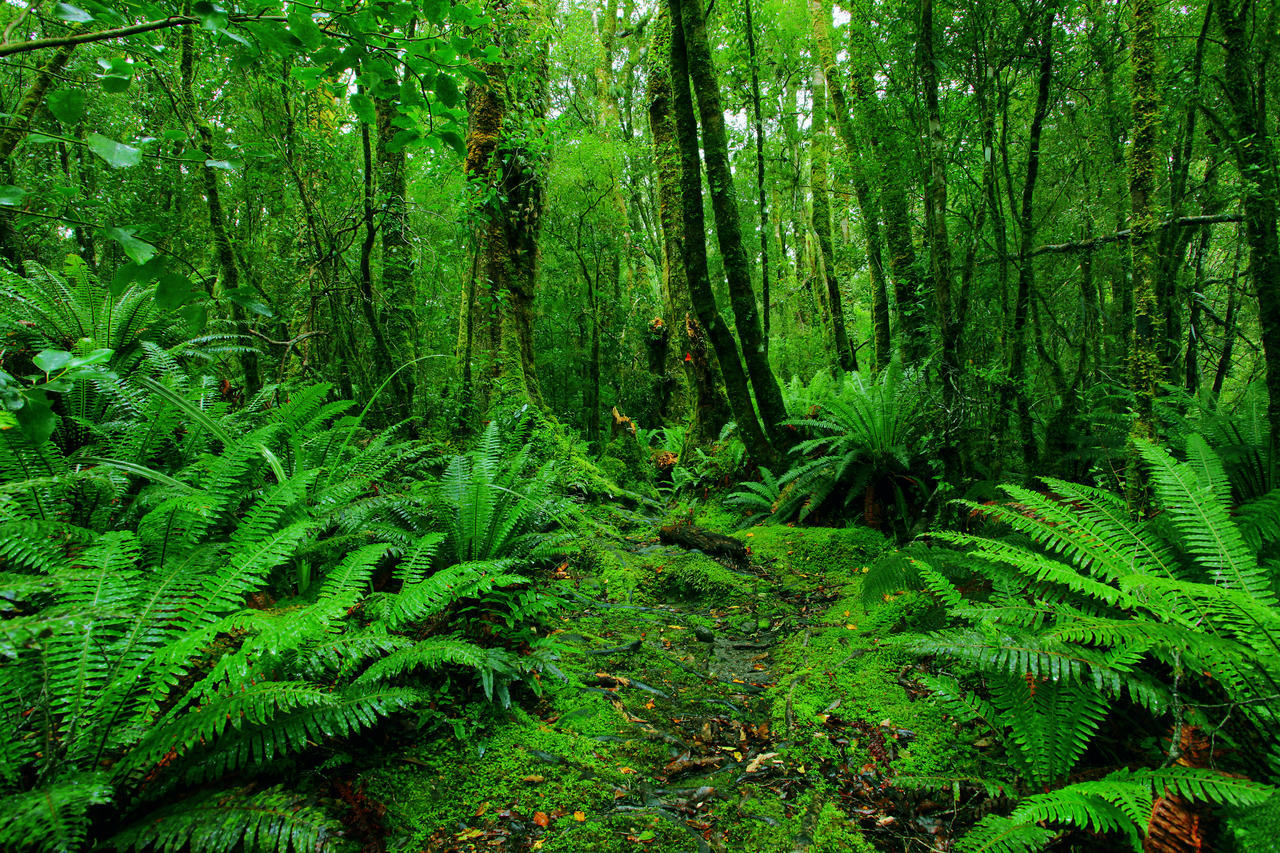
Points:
x=222 y=249
x=398 y=317
x=1021 y=404
x=760 y=188
x=1145 y=373
x=500 y=314
x=724 y=206
x=695 y=253
x=820 y=151
x=1255 y=158
x=710 y=408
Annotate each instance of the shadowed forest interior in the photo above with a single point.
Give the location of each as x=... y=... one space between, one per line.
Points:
x=615 y=425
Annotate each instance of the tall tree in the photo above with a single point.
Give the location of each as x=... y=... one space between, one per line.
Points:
x=1251 y=141
x=710 y=409
x=737 y=384
x=724 y=206
x=820 y=150
x=506 y=114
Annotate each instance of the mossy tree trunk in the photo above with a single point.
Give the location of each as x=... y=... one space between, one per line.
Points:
x=398 y=314
x=1145 y=370
x=505 y=168
x=820 y=148
x=694 y=247
x=1251 y=142
x=724 y=207
x=710 y=410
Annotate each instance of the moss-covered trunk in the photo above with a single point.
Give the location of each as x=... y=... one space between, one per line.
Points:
x=687 y=341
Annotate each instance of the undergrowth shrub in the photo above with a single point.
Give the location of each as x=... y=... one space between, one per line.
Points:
x=1083 y=609
x=187 y=611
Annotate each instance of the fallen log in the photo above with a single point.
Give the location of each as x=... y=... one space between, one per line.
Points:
x=691 y=536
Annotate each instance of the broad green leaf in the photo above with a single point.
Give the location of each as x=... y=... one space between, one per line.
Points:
x=303 y=27
x=138 y=250
x=244 y=297
x=225 y=165
x=115 y=85
x=453 y=140
x=447 y=90
x=36 y=418
x=11 y=196
x=173 y=291
x=51 y=360
x=116 y=154
x=71 y=14
x=401 y=139
x=68 y=106
x=362 y=106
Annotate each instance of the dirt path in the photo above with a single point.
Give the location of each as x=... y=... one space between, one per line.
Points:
x=708 y=707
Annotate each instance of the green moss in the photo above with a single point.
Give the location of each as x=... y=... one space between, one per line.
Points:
x=684 y=575
x=838 y=550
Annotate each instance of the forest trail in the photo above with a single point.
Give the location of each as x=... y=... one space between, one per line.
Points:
x=710 y=707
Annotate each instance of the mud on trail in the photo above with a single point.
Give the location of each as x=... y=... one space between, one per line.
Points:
x=731 y=705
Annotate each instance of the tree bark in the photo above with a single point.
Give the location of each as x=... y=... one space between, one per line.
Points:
x=737 y=385
x=724 y=207
x=710 y=411
x=820 y=151
x=760 y=187
x=1145 y=371
x=1021 y=403
x=1252 y=145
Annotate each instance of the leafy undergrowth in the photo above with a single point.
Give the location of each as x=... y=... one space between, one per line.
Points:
x=708 y=708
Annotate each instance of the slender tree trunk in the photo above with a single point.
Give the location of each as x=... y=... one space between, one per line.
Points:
x=1145 y=372
x=381 y=353
x=501 y=312
x=724 y=207
x=760 y=187
x=398 y=317
x=1245 y=91
x=892 y=179
x=939 y=238
x=1026 y=241
x=820 y=151
x=695 y=253
x=710 y=408
x=222 y=249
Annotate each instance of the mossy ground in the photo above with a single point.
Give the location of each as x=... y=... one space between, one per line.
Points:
x=706 y=708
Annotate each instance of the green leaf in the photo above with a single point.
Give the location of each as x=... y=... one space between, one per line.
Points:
x=244 y=297
x=446 y=90
x=11 y=196
x=454 y=141
x=97 y=356
x=71 y=14
x=116 y=154
x=138 y=250
x=225 y=165
x=362 y=106
x=36 y=418
x=173 y=291
x=401 y=139
x=68 y=106
x=51 y=360
x=302 y=26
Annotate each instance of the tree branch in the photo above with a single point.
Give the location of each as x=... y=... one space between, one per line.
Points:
x=1120 y=236
x=10 y=48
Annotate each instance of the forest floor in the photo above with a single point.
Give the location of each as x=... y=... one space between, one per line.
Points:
x=709 y=706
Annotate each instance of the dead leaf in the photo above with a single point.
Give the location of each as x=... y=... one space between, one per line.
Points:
x=541 y=819
x=579 y=817
x=755 y=763
x=533 y=779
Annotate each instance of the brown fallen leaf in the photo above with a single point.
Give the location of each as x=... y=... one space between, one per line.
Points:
x=755 y=763
x=540 y=818
x=534 y=778
x=579 y=817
